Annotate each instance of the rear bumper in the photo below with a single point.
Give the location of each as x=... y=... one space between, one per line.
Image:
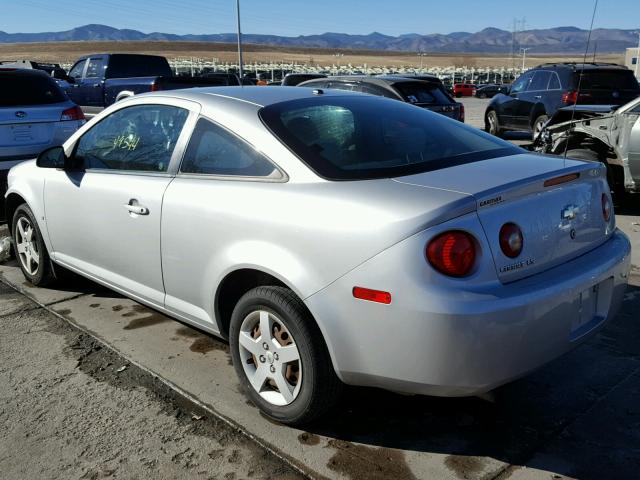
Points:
x=460 y=343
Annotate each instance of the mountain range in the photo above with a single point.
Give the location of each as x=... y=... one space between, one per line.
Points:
x=489 y=40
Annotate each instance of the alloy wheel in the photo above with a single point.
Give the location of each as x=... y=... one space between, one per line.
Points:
x=270 y=358
x=27 y=246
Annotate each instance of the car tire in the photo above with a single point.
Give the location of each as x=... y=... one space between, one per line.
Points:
x=615 y=175
x=30 y=250
x=312 y=386
x=492 y=125
x=538 y=124
x=482 y=95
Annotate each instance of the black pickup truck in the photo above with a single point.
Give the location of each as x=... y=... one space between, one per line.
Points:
x=96 y=81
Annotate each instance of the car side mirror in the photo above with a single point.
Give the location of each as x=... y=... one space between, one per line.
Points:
x=70 y=79
x=53 y=157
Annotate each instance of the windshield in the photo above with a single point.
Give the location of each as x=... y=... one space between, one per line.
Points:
x=22 y=88
x=423 y=93
x=356 y=138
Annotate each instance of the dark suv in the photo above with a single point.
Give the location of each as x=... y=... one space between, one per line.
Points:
x=539 y=92
x=427 y=93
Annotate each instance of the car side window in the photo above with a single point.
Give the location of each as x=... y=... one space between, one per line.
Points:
x=213 y=150
x=521 y=84
x=554 y=82
x=94 y=70
x=139 y=138
x=76 y=70
x=539 y=81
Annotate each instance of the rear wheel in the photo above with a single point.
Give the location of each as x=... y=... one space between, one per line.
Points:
x=30 y=249
x=538 y=125
x=280 y=356
x=491 y=124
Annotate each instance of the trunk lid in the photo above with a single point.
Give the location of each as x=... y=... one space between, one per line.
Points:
x=559 y=222
x=29 y=125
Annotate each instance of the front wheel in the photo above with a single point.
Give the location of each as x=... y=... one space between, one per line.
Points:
x=491 y=124
x=30 y=249
x=280 y=356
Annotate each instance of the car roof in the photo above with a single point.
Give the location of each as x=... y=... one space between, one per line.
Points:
x=24 y=72
x=258 y=96
x=582 y=66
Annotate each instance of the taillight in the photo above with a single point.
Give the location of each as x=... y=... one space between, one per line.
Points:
x=606 y=207
x=155 y=87
x=511 y=240
x=452 y=253
x=570 y=97
x=73 y=113
x=461 y=113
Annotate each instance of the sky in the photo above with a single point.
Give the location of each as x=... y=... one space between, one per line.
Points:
x=300 y=17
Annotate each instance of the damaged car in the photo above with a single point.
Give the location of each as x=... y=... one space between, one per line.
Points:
x=600 y=133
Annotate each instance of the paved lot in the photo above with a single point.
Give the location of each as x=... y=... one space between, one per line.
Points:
x=577 y=417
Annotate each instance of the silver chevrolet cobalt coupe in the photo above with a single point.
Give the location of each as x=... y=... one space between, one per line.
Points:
x=333 y=237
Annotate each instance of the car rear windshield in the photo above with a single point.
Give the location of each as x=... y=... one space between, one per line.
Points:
x=125 y=66
x=357 y=138
x=423 y=93
x=607 y=80
x=28 y=88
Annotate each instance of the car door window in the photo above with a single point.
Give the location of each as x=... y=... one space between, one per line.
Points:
x=539 y=81
x=139 y=138
x=213 y=150
x=94 y=69
x=76 y=70
x=522 y=83
x=554 y=82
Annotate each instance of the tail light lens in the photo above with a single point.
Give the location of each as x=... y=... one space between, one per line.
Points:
x=461 y=113
x=511 y=240
x=452 y=253
x=155 y=87
x=570 y=97
x=73 y=113
x=606 y=207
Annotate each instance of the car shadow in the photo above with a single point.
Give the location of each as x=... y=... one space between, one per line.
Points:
x=541 y=420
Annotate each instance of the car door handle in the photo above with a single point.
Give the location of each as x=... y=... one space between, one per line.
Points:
x=135 y=208
x=538 y=97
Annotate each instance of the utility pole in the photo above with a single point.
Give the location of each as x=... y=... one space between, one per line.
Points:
x=240 y=72
x=524 y=56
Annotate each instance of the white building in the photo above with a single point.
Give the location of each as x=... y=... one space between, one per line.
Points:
x=632 y=60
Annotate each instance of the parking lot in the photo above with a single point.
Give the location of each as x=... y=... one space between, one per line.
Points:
x=174 y=392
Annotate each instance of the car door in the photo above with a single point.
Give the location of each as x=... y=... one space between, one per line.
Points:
x=530 y=101
x=90 y=87
x=633 y=119
x=204 y=214
x=103 y=212
x=75 y=76
x=509 y=107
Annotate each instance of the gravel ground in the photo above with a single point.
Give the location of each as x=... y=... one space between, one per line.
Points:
x=67 y=412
